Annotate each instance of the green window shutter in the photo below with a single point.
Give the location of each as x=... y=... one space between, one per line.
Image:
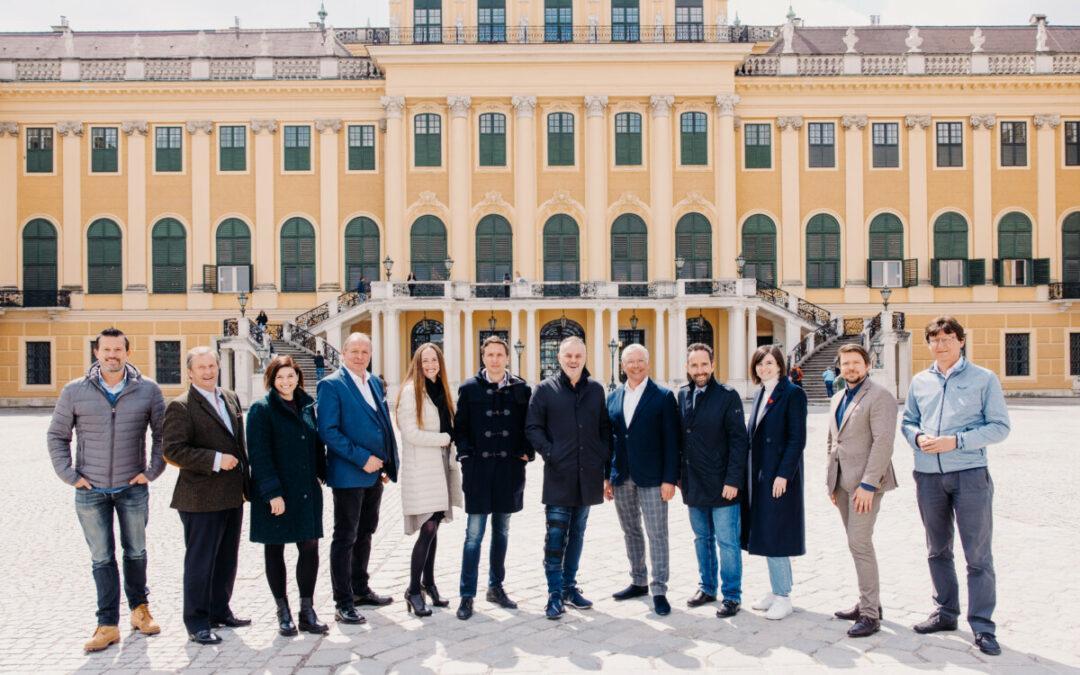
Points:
x=822 y=252
x=168 y=149
x=361 y=251
x=103 y=150
x=1041 y=271
x=297 y=256
x=757 y=146
x=976 y=272
x=169 y=256
x=561 y=249
x=759 y=248
x=361 y=139
x=997 y=271
x=427 y=136
x=935 y=276
x=494 y=246
x=232 y=153
x=39 y=263
x=233 y=241
x=1014 y=236
x=103 y=257
x=886 y=238
x=428 y=249
x=492 y=139
x=298 y=148
x=950 y=237
x=39 y=150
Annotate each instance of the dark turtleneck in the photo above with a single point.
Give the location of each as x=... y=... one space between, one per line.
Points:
x=438 y=397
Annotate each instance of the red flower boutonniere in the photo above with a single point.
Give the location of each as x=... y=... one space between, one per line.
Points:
x=770 y=401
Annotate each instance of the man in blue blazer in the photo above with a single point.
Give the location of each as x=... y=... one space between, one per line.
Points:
x=644 y=471
x=361 y=455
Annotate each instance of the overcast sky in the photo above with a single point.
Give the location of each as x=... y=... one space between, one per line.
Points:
x=140 y=14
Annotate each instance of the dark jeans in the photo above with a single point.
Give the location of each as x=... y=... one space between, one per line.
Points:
x=470 y=556
x=966 y=496
x=213 y=546
x=563 y=544
x=356 y=515
x=828 y=388
x=95 y=512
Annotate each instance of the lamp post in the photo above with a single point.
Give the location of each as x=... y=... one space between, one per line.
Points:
x=242 y=298
x=877 y=354
x=633 y=320
x=449 y=263
x=491 y=323
x=740 y=265
x=612 y=347
x=388 y=264
x=886 y=293
x=519 y=347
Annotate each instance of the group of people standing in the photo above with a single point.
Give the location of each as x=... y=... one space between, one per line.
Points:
x=741 y=478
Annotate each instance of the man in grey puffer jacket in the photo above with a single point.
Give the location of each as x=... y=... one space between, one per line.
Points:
x=110 y=409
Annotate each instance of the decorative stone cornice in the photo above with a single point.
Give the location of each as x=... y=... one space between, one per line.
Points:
x=1052 y=119
x=259 y=126
x=459 y=105
x=10 y=128
x=984 y=121
x=660 y=104
x=726 y=103
x=921 y=121
x=853 y=121
x=65 y=128
x=130 y=127
x=328 y=124
x=795 y=122
x=524 y=105
x=394 y=106
x=196 y=126
x=595 y=105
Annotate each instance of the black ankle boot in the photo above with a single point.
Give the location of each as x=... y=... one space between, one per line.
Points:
x=309 y=621
x=436 y=599
x=286 y=626
x=414 y=603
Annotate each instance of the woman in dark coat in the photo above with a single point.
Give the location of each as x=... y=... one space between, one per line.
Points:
x=288 y=461
x=774 y=523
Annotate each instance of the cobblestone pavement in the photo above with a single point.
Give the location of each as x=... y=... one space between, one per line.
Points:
x=47 y=609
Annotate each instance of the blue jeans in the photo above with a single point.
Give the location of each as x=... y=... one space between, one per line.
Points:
x=319 y=372
x=563 y=544
x=95 y=512
x=470 y=556
x=780 y=576
x=718 y=527
x=829 y=388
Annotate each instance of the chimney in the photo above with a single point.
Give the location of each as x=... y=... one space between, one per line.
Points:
x=875 y=19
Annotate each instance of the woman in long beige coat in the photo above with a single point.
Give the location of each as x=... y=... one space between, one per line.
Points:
x=430 y=478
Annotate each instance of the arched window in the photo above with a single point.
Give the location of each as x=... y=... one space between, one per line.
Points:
x=39 y=264
x=297 y=256
x=1070 y=248
x=759 y=248
x=361 y=251
x=823 y=252
x=233 y=243
x=103 y=257
x=169 y=246
x=950 y=251
x=1013 y=266
x=693 y=243
x=629 y=254
x=698 y=329
x=494 y=249
x=428 y=253
x=562 y=261
x=551 y=335
x=425 y=330
x=886 y=261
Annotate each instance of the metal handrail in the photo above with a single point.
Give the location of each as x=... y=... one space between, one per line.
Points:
x=555 y=34
x=313 y=316
x=35 y=299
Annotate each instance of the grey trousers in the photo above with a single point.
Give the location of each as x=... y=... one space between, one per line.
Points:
x=860 y=540
x=632 y=504
x=966 y=496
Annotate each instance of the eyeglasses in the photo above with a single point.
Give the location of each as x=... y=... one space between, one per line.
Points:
x=942 y=341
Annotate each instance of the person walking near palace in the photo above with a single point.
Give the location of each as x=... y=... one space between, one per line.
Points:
x=288 y=463
x=489 y=432
x=110 y=409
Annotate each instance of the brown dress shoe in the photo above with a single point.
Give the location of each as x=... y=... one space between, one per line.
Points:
x=103 y=637
x=143 y=622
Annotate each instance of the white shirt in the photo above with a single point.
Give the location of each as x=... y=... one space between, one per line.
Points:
x=364 y=387
x=631 y=397
x=767 y=389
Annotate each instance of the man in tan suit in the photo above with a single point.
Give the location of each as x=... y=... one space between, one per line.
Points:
x=860 y=447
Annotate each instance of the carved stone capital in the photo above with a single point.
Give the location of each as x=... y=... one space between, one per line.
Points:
x=130 y=127
x=394 y=106
x=524 y=105
x=259 y=126
x=912 y=121
x=10 y=128
x=794 y=122
x=65 y=128
x=736 y=121
x=726 y=103
x=853 y=121
x=595 y=105
x=327 y=124
x=984 y=121
x=196 y=126
x=1052 y=119
x=459 y=105
x=660 y=104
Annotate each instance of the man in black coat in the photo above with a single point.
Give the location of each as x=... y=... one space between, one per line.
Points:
x=489 y=433
x=715 y=450
x=568 y=426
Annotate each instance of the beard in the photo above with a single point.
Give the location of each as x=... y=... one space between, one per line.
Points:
x=700 y=380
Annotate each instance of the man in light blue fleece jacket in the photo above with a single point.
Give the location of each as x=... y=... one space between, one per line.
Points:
x=954 y=410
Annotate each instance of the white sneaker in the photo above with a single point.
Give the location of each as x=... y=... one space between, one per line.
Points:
x=765 y=602
x=781 y=607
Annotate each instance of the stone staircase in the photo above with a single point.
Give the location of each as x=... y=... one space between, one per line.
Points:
x=816 y=363
x=305 y=360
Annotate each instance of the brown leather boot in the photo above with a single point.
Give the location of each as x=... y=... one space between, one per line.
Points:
x=103 y=637
x=143 y=622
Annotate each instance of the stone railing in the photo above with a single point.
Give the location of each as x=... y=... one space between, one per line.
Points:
x=178 y=69
x=826 y=64
x=884 y=64
x=1066 y=64
x=37 y=70
x=1012 y=64
x=759 y=65
x=168 y=69
x=948 y=64
x=296 y=69
x=103 y=70
x=232 y=69
x=1067 y=290
x=960 y=64
x=358 y=69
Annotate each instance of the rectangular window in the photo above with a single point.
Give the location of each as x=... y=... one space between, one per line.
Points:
x=1016 y=272
x=951 y=273
x=625 y=21
x=298 y=148
x=1017 y=354
x=493 y=139
x=103 y=150
x=427 y=138
x=886 y=137
x=886 y=273
x=560 y=139
x=628 y=139
x=689 y=21
x=39 y=363
x=361 y=147
x=758 y=146
x=1072 y=144
x=491 y=21
x=950 y=144
x=822 y=145
x=558 y=21
x=695 y=139
x=1014 y=144
x=167 y=362
x=232 y=148
x=1074 y=354
x=39 y=150
x=427 y=21
x=168 y=144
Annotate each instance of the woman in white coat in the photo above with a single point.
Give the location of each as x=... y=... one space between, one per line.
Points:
x=430 y=478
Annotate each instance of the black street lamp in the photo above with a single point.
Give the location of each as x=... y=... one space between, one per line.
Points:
x=388 y=264
x=612 y=347
x=242 y=298
x=680 y=262
x=886 y=293
x=491 y=323
x=740 y=265
x=449 y=263
x=633 y=320
x=519 y=347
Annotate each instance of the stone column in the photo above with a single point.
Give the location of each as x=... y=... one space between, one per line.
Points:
x=597 y=354
x=330 y=241
x=792 y=335
x=981 y=158
x=391 y=351
x=790 y=227
x=660 y=356
x=376 y=342
x=751 y=331
x=661 y=167
x=200 y=132
x=613 y=334
x=245 y=367
x=917 y=204
x=471 y=348
x=135 y=292
x=515 y=334
x=450 y=346
x=72 y=228
x=265 y=227
x=726 y=242
x=460 y=165
x=226 y=357
x=394 y=227
x=9 y=212
x=532 y=347
x=596 y=197
x=737 y=349
x=1046 y=243
x=854 y=248
x=525 y=242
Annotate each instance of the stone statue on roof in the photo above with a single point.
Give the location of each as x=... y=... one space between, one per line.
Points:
x=913 y=41
x=977 y=40
x=849 y=40
x=788 y=33
x=1040 y=37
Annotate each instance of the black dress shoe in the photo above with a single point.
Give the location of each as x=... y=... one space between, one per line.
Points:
x=554 y=609
x=853 y=614
x=205 y=637
x=371 y=599
x=436 y=599
x=864 y=627
x=231 y=621
x=934 y=624
x=661 y=605
x=727 y=608
x=574 y=598
x=464 y=610
x=497 y=595
x=349 y=615
x=987 y=644
x=309 y=620
x=700 y=598
x=414 y=604
x=631 y=591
